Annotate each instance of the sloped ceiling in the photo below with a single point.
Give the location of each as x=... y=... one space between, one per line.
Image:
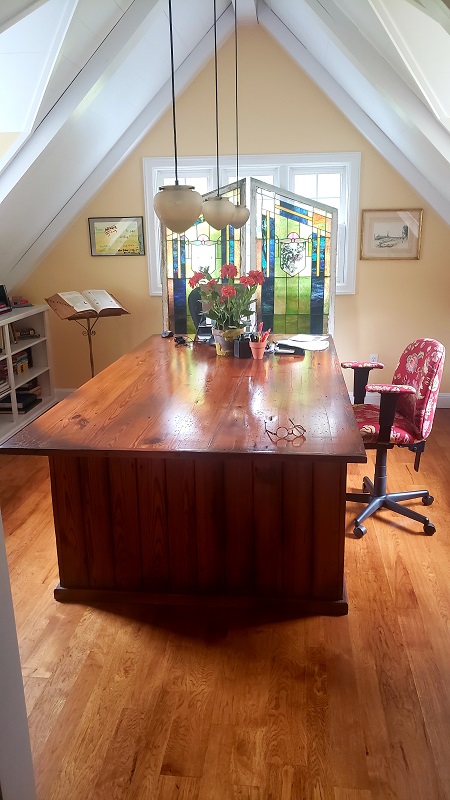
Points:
x=115 y=52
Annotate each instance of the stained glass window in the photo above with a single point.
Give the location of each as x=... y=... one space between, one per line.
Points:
x=294 y=244
x=199 y=248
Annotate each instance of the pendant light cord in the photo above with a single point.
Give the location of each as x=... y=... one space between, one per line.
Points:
x=236 y=89
x=217 y=97
x=172 y=69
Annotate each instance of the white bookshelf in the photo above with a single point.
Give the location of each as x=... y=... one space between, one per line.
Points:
x=24 y=318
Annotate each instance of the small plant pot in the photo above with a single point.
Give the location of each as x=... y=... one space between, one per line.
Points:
x=225 y=340
x=258 y=349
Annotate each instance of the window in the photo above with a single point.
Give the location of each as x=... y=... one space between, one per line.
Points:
x=330 y=178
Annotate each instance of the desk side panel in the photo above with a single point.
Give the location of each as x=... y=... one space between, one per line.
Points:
x=181 y=525
x=329 y=529
x=238 y=516
x=210 y=524
x=298 y=528
x=153 y=521
x=124 y=505
x=251 y=527
x=97 y=515
x=68 y=504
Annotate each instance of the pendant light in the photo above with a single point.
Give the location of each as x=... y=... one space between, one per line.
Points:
x=217 y=211
x=241 y=213
x=177 y=206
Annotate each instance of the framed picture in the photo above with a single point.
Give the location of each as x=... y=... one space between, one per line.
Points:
x=391 y=233
x=116 y=236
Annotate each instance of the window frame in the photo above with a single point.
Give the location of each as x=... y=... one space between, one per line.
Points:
x=284 y=168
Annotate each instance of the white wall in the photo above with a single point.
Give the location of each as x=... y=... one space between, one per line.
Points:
x=16 y=769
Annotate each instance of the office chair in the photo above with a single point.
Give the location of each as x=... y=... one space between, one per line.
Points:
x=404 y=419
x=203 y=332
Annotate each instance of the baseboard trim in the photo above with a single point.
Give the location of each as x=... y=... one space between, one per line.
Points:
x=61 y=394
x=443 y=400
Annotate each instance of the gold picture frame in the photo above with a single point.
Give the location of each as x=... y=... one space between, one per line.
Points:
x=116 y=236
x=391 y=233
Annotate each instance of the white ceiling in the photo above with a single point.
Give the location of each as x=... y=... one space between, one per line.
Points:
x=108 y=53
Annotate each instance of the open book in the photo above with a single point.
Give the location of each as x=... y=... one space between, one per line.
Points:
x=81 y=305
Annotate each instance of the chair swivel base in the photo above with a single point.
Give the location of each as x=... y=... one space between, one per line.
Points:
x=376 y=501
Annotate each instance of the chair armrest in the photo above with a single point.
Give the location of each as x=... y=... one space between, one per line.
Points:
x=364 y=364
x=390 y=392
x=361 y=371
x=390 y=388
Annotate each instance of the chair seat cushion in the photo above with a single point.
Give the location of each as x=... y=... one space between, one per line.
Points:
x=402 y=431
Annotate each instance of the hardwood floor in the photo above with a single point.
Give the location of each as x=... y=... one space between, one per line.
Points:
x=177 y=704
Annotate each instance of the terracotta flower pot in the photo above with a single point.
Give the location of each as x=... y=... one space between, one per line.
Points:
x=258 y=349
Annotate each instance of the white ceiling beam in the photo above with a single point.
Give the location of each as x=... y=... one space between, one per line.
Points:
x=368 y=77
x=12 y=11
x=20 y=264
x=128 y=30
x=405 y=147
x=246 y=11
x=436 y=9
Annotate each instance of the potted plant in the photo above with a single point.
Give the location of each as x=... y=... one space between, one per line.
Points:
x=229 y=305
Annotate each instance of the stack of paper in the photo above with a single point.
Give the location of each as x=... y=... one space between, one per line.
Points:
x=307 y=341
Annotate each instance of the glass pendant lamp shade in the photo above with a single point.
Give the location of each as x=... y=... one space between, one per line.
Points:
x=241 y=215
x=178 y=206
x=218 y=212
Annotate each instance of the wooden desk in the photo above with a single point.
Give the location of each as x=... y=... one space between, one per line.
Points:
x=166 y=487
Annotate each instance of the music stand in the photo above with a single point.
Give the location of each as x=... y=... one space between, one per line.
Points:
x=88 y=330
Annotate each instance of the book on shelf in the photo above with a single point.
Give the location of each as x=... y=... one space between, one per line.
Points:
x=82 y=305
x=5 y=302
x=31 y=384
x=22 y=409
x=25 y=400
x=21 y=361
x=20 y=302
x=32 y=387
x=19 y=334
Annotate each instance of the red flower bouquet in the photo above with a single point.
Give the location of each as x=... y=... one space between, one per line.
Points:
x=230 y=305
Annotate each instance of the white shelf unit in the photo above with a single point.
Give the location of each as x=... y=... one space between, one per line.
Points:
x=23 y=319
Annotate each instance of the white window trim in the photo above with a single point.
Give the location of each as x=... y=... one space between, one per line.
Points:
x=283 y=167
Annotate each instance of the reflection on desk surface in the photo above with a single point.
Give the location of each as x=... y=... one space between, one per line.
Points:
x=166 y=400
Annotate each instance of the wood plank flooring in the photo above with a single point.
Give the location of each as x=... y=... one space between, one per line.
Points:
x=183 y=704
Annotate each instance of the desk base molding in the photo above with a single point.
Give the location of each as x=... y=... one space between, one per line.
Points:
x=301 y=606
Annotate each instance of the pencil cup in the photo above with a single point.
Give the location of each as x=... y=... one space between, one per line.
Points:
x=257 y=349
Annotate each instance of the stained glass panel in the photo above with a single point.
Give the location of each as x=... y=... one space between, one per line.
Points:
x=292 y=240
x=199 y=248
x=294 y=244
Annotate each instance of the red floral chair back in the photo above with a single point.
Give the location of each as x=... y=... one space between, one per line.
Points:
x=420 y=365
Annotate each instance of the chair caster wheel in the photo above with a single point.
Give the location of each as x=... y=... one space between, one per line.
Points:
x=428 y=500
x=359 y=531
x=429 y=529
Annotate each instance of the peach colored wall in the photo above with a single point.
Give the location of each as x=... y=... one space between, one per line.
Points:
x=281 y=111
x=6 y=140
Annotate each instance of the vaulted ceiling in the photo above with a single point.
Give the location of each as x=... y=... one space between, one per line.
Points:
x=385 y=63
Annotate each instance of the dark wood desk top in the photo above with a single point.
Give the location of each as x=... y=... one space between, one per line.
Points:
x=162 y=400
